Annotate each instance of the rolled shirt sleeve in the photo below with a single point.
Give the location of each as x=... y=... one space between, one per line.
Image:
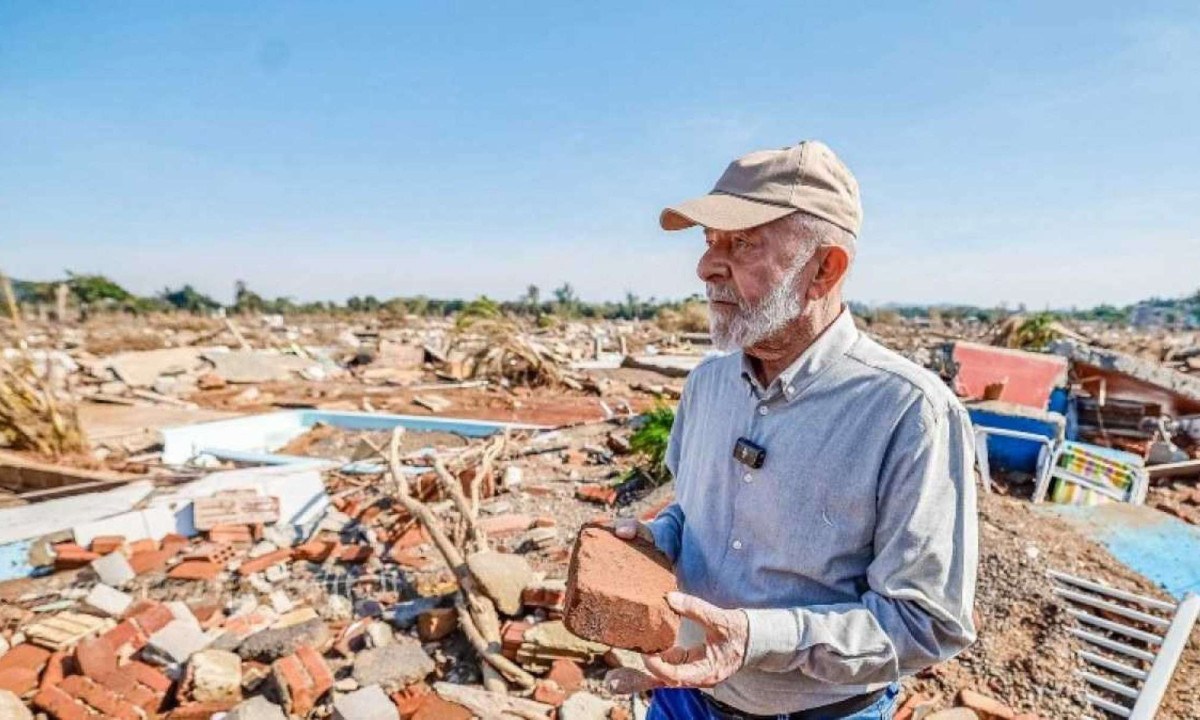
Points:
x=921 y=582
x=667 y=526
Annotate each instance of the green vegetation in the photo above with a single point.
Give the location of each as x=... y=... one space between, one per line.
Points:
x=650 y=442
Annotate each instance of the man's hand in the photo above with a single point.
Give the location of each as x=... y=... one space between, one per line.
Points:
x=632 y=528
x=726 y=633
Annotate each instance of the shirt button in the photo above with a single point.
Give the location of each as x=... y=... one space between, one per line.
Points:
x=748 y=477
x=737 y=544
x=762 y=410
x=790 y=389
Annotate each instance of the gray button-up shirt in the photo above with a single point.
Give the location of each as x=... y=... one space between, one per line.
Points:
x=853 y=549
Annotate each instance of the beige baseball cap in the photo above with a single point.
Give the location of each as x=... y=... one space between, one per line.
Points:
x=770 y=184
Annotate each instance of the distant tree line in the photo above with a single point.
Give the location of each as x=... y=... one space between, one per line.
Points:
x=97 y=293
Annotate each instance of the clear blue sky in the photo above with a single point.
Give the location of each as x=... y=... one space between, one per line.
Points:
x=1046 y=153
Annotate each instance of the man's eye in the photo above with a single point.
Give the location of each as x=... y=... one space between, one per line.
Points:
x=741 y=243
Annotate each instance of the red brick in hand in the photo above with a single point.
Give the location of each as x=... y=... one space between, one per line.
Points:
x=616 y=593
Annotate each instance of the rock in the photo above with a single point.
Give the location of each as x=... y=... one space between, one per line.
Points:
x=108 y=600
x=554 y=638
x=216 y=676
x=616 y=593
x=256 y=708
x=380 y=634
x=392 y=666
x=11 y=707
x=584 y=706
x=178 y=641
x=269 y=645
x=114 y=569
x=301 y=679
x=502 y=577
x=369 y=703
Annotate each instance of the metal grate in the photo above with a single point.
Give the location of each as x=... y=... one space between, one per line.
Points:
x=1132 y=643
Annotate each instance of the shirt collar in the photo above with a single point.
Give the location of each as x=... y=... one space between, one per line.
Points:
x=823 y=352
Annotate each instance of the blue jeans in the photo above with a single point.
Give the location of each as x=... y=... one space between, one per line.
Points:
x=686 y=704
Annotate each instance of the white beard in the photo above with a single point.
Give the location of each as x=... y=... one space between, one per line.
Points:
x=750 y=324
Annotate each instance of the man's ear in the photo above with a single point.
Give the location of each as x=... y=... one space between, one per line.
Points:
x=831 y=268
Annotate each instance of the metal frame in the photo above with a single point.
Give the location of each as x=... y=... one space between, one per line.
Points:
x=981 y=452
x=1048 y=471
x=1136 y=678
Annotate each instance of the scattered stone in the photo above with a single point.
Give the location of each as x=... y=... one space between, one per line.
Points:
x=272 y=644
x=380 y=634
x=584 y=706
x=108 y=600
x=114 y=569
x=502 y=577
x=369 y=703
x=616 y=593
x=256 y=708
x=392 y=666
x=177 y=642
x=215 y=676
x=11 y=707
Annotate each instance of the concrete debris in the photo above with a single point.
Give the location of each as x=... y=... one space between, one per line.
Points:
x=274 y=573
x=256 y=708
x=392 y=666
x=108 y=600
x=585 y=706
x=114 y=569
x=503 y=577
x=369 y=703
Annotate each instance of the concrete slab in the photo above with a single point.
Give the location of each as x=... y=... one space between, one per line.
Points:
x=141 y=368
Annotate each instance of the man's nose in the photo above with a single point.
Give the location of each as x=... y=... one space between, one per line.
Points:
x=712 y=267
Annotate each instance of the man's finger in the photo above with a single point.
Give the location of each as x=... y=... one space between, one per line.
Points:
x=627 y=681
x=625 y=528
x=696 y=609
x=695 y=674
x=674 y=655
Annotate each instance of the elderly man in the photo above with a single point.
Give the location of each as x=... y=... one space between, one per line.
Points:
x=824 y=525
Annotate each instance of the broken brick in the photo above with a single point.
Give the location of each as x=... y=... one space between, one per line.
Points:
x=507 y=524
x=149 y=561
x=435 y=708
x=616 y=593
x=142 y=546
x=985 y=707
x=174 y=543
x=56 y=703
x=567 y=674
x=301 y=679
x=409 y=700
x=549 y=693
x=356 y=554
x=21 y=667
x=436 y=624
x=194 y=570
x=314 y=550
x=95 y=657
x=105 y=544
x=231 y=535
x=259 y=564
x=68 y=556
x=595 y=493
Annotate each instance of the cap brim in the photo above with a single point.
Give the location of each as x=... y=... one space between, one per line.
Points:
x=719 y=211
